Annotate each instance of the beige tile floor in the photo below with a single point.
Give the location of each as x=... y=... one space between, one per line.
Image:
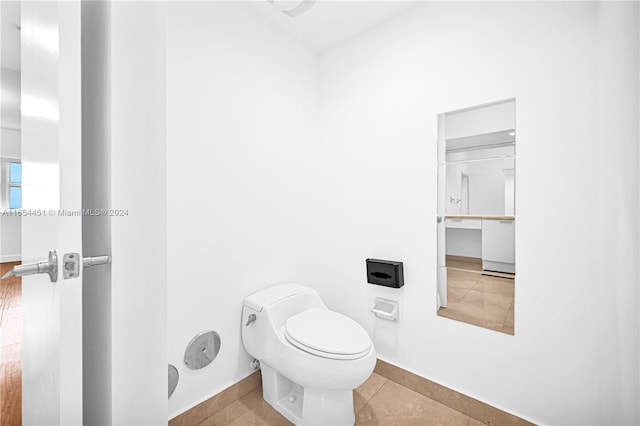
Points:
x=379 y=401
x=481 y=300
x=466 y=264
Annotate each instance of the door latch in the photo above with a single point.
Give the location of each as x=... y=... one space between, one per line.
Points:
x=71 y=262
x=71 y=265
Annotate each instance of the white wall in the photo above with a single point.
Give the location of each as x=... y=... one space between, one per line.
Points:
x=253 y=199
x=453 y=189
x=10 y=243
x=125 y=139
x=617 y=169
x=10 y=226
x=10 y=143
x=487 y=187
x=487 y=193
x=242 y=178
x=509 y=192
x=10 y=114
x=574 y=356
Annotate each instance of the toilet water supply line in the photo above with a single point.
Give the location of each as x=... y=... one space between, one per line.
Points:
x=255 y=364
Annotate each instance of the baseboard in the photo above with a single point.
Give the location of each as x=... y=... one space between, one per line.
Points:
x=499 y=274
x=474 y=260
x=206 y=409
x=6 y=258
x=478 y=410
x=467 y=405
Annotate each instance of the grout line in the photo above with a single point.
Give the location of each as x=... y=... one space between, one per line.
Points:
x=386 y=380
x=375 y=393
x=249 y=408
x=466 y=291
x=504 y=320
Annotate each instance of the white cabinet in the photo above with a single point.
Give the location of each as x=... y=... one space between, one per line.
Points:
x=498 y=245
x=463 y=237
x=463 y=223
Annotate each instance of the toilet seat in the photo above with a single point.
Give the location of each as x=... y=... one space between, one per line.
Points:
x=327 y=334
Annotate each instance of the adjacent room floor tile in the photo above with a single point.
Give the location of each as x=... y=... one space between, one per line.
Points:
x=481 y=300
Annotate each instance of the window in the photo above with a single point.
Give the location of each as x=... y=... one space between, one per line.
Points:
x=15 y=185
x=11 y=193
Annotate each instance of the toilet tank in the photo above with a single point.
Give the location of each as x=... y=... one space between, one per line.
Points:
x=279 y=302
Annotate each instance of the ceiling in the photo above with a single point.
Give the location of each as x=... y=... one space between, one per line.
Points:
x=325 y=24
x=330 y=22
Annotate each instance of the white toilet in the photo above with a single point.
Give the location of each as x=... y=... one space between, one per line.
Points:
x=311 y=358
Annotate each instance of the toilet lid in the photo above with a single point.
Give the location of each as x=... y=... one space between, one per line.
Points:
x=328 y=334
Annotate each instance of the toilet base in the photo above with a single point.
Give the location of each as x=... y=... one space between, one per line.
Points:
x=304 y=406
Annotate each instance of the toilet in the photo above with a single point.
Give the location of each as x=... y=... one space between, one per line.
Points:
x=311 y=357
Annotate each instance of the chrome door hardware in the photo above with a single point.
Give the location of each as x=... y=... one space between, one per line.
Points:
x=49 y=267
x=95 y=261
x=71 y=262
x=70 y=265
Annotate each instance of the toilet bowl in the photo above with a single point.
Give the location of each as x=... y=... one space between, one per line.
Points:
x=311 y=357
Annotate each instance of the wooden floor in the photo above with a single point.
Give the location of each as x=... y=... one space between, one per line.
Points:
x=10 y=349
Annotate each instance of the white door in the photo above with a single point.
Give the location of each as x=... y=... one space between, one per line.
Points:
x=51 y=188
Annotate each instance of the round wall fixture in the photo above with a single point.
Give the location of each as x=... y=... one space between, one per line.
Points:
x=202 y=349
x=174 y=377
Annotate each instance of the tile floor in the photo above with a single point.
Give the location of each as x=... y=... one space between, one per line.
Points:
x=379 y=401
x=10 y=349
x=481 y=300
x=464 y=263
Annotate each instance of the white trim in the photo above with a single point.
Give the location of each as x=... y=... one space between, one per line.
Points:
x=10 y=258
